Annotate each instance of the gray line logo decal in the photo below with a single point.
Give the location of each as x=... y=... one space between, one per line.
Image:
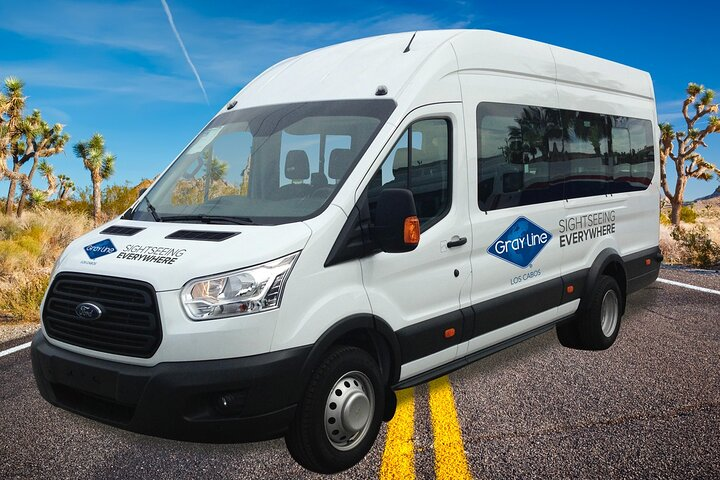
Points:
x=520 y=243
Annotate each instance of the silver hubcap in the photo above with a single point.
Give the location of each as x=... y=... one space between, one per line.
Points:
x=348 y=410
x=609 y=313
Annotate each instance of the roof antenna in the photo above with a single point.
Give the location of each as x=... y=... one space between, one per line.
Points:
x=407 y=49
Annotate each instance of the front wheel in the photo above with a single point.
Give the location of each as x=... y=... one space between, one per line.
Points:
x=340 y=413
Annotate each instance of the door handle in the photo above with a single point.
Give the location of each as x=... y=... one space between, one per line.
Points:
x=457 y=241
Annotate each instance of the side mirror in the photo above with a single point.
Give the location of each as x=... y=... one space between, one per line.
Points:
x=397 y=227
x=141 y=191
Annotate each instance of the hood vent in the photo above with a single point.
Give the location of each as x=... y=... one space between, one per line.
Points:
x=123 y=231
x=202 y=236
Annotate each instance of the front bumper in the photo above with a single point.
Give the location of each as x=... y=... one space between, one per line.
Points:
x=216 y=401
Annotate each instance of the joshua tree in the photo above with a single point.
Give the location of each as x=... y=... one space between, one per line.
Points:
x=41 y=141
x=66 y=187
x=100 y=164
x=23 y=139
x=688 y=163
x=38 y=197
x=12 y=104
x=48 y=172
x=20 y=155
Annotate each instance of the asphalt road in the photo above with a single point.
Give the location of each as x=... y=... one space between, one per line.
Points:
x=647 y=408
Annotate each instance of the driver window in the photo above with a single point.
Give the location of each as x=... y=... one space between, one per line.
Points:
x=419 y=162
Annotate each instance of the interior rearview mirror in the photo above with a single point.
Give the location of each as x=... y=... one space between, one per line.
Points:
x=397 y=228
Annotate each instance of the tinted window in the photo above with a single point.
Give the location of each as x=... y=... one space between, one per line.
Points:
x=633 y=154
x=419 y=162
x=531 y=154
x=519 y=155
x=586 y=149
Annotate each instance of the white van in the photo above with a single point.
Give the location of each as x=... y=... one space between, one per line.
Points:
x=360 y=219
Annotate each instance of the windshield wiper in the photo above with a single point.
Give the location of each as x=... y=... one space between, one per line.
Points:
x=209 y=219
x=152 y=210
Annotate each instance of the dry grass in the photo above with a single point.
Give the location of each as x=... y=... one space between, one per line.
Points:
x=28 y=249
x=699 y=243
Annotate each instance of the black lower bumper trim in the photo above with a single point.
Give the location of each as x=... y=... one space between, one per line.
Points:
x=216 y=401
x=642 y=268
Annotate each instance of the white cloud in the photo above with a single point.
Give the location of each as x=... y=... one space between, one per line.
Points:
x=169 y=15
x=133 y=26
x=228 y=51
x=670 y=117
x=670 y=104
x=109 y=50
x=133 y=86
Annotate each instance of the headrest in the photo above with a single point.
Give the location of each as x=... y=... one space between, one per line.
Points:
x=401 y=159
x=297 y=166
x=340 y=160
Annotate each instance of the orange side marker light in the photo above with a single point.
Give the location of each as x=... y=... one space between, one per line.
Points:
x=570 y=289
x=412 y=230
x=648 y=261
x=449 y=333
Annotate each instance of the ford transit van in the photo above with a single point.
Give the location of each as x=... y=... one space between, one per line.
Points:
x=356 y=220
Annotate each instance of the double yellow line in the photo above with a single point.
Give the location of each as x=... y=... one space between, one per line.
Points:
x=399 y=456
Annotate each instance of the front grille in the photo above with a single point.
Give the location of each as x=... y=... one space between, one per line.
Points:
x=130 y=322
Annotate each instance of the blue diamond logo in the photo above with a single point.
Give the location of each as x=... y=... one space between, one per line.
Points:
x=100 y=249
x=520 y=243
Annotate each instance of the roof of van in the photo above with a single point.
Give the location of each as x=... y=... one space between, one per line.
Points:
x=355 y=69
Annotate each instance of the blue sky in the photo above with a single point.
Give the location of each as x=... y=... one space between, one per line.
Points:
x=117 y=68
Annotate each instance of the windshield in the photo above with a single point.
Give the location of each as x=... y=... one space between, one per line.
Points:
x=266 y=165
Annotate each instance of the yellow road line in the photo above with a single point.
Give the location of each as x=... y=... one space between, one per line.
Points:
x=450 y=460
x=398 y=458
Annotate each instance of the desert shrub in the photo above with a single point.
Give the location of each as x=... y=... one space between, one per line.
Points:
x=664 y=219
x=21 y=303
x=671 y=250
x=688 y=215
x=697 y=248
x=115 y=199
x=29 y=248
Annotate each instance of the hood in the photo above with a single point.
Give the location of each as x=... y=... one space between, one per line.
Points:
x=168 y=255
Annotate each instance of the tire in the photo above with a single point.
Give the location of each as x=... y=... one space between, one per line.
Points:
x=330 y=434
x=567 y=334
x=597 y=327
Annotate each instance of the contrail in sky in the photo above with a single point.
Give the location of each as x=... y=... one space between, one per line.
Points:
x=182 y=46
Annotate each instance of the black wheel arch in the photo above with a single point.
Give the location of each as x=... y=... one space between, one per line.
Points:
x=366 y=331
x=608 y=262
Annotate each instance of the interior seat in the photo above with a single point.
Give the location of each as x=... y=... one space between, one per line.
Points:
x=297 y=170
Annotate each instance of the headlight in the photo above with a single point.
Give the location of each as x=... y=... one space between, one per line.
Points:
x=251 y=290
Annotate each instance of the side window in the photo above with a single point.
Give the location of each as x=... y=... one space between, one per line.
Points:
x=529 y=154
x=520 y=159
x=420 y=162
x=643 y=153
x=586 y=148
x=633 y=154
x=621 y=156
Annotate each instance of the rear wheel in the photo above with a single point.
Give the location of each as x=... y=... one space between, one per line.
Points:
x=597 y=327
x=339 y=416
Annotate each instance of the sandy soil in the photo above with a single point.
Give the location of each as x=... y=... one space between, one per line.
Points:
x=10 y=332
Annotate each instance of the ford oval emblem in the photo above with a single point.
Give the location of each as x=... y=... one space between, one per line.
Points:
x=88 y=311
